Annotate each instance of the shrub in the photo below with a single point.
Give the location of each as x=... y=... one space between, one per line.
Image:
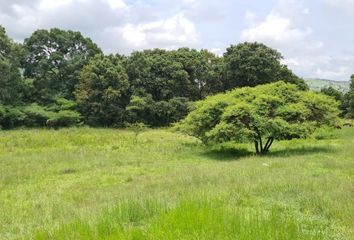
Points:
x=260 y=115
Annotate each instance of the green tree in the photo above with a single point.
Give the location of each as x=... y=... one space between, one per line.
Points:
x=103 y=91
x=332 y=92
x=54 y=60
x=204 y=72
x=260 y=115
x=156 y=73
x=348 y=102
x=10 y=77
x=251 y=64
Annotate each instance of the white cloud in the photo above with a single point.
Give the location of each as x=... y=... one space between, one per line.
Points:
x=168 y=33
x=285 y=29
x=275 y=29
x=117 y=4
x=333 y=74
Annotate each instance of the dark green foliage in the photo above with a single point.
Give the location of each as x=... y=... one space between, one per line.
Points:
x=348 y=103
x=103 y=91
x=181 y=73
x=332 y=92
x=55 y=59
x=35 y=115
x=56 y=71
x=251 y=64
x=261 y=115
x=11 y=83
x=337 y=95
x=11 y=116
x=143 y=109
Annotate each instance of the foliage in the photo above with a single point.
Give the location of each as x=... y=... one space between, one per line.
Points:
x=251 y=64
x=332 y=92
x=348 y=102
x=265 y=113
x=180 y=73
x=11 y=116
x=35 y=115
x=103 y=91
x=54 y=60
x=163 y=113
x=10 y=78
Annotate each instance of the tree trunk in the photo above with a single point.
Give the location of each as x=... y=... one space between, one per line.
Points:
x=257 y=147
x=260 y=149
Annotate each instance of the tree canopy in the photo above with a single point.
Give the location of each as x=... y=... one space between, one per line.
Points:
x=348 y=102
x=103 y=91
x=260 y=115
x=54 y=60
x=10 y=77
x=251 y=64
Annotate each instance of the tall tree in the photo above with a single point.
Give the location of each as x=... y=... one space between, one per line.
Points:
x=348 y=102
x=10 y=77
x=55 y=59
x=103 y=91
x=155 y=72
x=251 y=64
x=204 y=71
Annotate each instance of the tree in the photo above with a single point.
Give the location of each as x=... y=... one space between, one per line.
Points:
x=103 y=91
x=204 y=72
x=348 y=102
x=10 y=77
x=155 y=72
x=251 y=64
x=332 y=92
x=260 y=115
x=54 y=60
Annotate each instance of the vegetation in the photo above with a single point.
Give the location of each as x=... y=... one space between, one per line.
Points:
x=154 y=87
x=102 y=93
x=251 y=64
x=138 y=183
x=262 y=114
x=348 y=100
x=102 y=184
x=54 y=60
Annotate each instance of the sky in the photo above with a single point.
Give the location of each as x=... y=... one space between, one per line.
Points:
x=316 y=37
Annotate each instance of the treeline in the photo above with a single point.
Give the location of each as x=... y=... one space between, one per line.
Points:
x=346 y=100
x=60 y=78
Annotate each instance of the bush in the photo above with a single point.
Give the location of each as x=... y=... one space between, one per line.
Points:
x=162 y=113
x=11 y=117
x=64 y=118
x=324 y=132
x=35 y=115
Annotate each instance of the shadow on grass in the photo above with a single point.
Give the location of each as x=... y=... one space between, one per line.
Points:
x=300 y=151
x=235 y=154
x=227 y=153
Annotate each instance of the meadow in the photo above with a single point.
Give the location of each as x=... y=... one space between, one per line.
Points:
x=84 y=183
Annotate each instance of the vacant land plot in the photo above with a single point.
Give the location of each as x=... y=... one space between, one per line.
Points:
x=109 y=184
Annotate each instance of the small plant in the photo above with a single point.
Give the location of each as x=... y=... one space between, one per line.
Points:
x=137 y=129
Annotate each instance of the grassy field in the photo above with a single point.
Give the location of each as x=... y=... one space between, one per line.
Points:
x=106 y=184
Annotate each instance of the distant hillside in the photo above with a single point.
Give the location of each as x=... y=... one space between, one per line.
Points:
x=317 y=84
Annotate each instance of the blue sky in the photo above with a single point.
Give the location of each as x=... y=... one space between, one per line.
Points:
x=315 y=37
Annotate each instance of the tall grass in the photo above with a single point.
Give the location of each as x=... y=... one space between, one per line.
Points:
x=105 y=184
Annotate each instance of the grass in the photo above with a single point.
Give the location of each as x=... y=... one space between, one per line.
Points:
x=103 y=184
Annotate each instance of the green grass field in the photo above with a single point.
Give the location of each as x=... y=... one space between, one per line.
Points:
x=105 y=184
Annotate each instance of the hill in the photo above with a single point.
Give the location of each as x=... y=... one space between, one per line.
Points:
x=316 y=84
